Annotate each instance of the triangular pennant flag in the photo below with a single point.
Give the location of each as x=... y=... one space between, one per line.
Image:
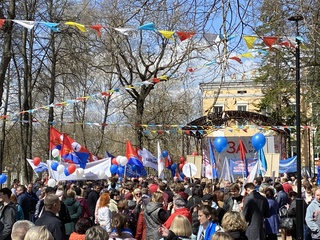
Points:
x=124 y=31
x=81 y=27
x=24 y=23
x=185 y=35
x=52 y=26
x=269 y=41
x=97 y=28
x=236 y=59
x=246 y=55
x=166 y=34
x=250 y=41
x=148 y=26
x=2 y=21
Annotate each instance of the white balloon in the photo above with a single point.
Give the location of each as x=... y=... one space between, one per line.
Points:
x=101 y=174
x=60 y=169
x=52 y=182
x=55 y=153
x=123 y=161
x=76 y=146
x=80 y=172
x=118 y=159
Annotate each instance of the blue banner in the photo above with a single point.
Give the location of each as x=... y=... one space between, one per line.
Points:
x=237 y=166
x=288 y=165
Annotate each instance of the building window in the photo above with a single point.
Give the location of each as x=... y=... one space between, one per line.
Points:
x=242 y=107
x=242 y=122
x=218 y=109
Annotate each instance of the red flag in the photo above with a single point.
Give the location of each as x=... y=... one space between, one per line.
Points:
x=97 y=27
x=242 y=149
x=2 y=21
x=55 y=138
x=269 y=41
x=185 y=35
x=168 y=161
x=130 y=152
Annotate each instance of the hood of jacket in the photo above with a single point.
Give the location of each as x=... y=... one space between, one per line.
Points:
x=69 y=201
x=152 y=206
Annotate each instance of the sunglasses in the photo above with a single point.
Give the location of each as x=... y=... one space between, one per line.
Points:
x=138 y=194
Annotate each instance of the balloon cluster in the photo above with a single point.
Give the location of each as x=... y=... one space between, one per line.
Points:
x=117 y=165
x=3 y=178
x=71 y=168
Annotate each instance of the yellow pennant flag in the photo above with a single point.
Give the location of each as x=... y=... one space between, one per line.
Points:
x=166 y=34
x=81 y=27
x=246 y=55
x=250 y=41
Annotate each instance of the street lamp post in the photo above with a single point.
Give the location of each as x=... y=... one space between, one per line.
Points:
x=299 y=201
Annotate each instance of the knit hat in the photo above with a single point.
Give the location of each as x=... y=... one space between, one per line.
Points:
x=153 y=188
x=179 y=202
x=128 y=196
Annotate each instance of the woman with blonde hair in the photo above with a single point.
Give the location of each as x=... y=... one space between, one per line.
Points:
x=180 y=229
x=155 y=215
x=104 y=213
x=235 y=225
x=221 y=236
x=38 y=232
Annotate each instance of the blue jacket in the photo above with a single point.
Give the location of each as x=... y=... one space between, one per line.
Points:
x=272 y=222
x=211 y=229
x=313 y=223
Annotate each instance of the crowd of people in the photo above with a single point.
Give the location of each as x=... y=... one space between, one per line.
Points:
x=152 y=208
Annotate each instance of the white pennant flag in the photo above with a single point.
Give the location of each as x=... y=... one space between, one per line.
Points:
x=24 y=23
x=124 y=30
x=225 y=172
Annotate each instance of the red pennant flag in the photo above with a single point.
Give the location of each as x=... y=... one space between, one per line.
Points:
x=2 y=21
x=185 y=35
x=97 y=28
x=269 y=41
x=236 y=59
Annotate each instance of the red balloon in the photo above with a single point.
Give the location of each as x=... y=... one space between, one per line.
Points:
x=114 y=161
x=36 y=161
x=72 y=168
x=182 y=159
x=181 y=166
x=194 y=154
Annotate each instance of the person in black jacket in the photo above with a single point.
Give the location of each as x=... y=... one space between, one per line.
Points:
x=7 y=215
x=24 y=201
x=93 y=197
x=49 y=219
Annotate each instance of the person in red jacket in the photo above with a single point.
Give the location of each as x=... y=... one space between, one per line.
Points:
x=179 y=206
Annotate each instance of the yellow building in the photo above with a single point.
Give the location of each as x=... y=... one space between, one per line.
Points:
x=230 y=110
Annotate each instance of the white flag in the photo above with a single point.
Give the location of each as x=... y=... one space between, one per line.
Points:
x=253 y=172
x=41 y=167
x=160 y=162
x=148 y=159
x=225 y=172
x=24 y=23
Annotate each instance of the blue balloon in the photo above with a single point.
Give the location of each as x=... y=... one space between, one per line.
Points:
x=220 y=144
x=66 y=172
x=258 y=141
x=113 y=169
x=120 y=171
x=173 y=167
x=120 y=179
x=3 y=178
x=165 y=153
x=134 y=168
x=54 y=165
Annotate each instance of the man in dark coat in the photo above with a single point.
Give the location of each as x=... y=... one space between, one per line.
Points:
x=24 y=201
x=255 y=209
x=49 y=217
x=7 y=214
x=33 y=200
x=93 y=197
